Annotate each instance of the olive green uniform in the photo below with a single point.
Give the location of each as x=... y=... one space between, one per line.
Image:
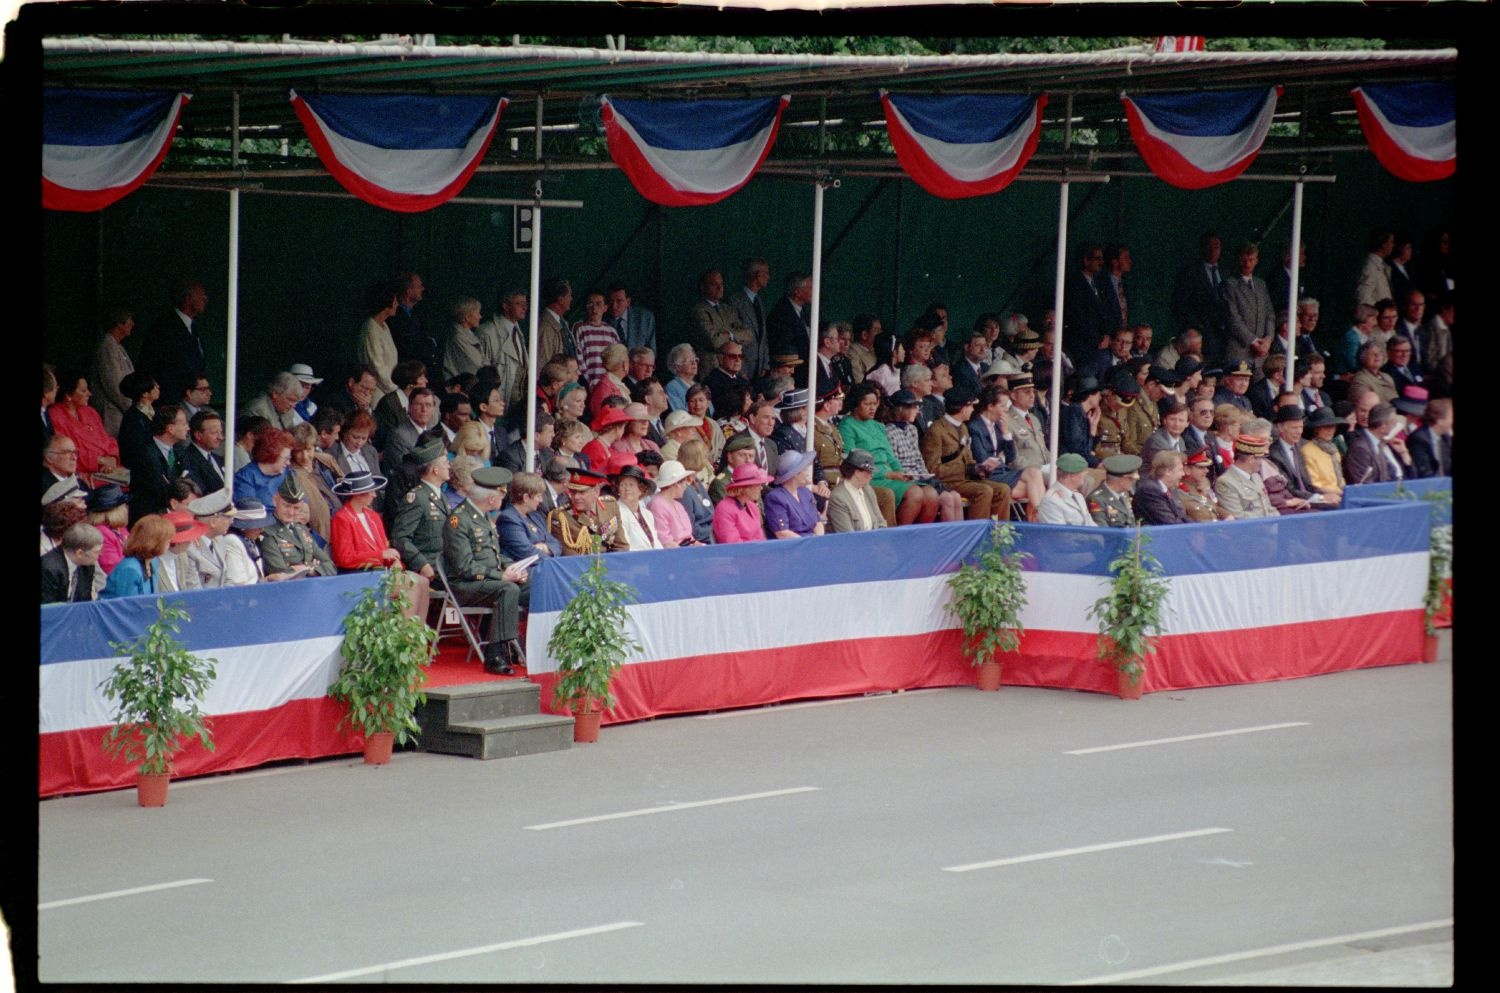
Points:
x=475 y=570
x=1111 y=509
x=286 y=545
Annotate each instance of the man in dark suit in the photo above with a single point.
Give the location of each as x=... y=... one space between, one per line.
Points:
x=1157 y=499
x=70 y=570
x=1198 y=297
x=636 y=326
x=1373 y=458
x=748 y=304
x=763 y=420
x=1431 y=445
x=153 y=467
x=1111 y=284
x=173 y=350
x=356 y=392
x=1085 y=323
x=1279 y=282
x=1286 y=453
x=413 y=341
x=404 y=436
x=60 y=463
x=968 y=370
x=201 y=461
x=786 y=325
x=1402 y=369
x=1311 y=372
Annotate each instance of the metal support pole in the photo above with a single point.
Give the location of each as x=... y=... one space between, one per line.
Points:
x=1054 y=421
x=1293 y=289
x=532 y=320
x=812 y=320
x=232 y=340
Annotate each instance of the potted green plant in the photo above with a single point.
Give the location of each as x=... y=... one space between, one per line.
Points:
x=158 y=687
x=988 y=598
x=1436 y=601
x=386 y=649
x=589 y=645
x=1130 y=615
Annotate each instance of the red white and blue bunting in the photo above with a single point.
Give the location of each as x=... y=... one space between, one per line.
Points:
x=1412 y=128
x=403 y=153
x=1196 y=140
x=99 y=145
x=963 y=145
x=685 y=153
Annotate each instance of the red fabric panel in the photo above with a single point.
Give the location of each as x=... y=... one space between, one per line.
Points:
x=932 y=178
x=649 y=184
x=74 y=761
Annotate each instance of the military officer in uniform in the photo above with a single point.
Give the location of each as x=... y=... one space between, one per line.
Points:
x=589 y=516
x=1241 y=490
x=946 y=448
x=1110 y=504
x=828 y=443
x=287 y=548
x=479 y=575
x=417 y=525
x=734 y=450
x=1199 y=501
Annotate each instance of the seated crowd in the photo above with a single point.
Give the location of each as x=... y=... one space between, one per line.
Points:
x=390 y=464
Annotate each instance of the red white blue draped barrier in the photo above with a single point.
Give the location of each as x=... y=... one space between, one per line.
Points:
x=99 y=145
x=405 y=153
x=277 y=646
x=685 y=153
x=1421 y=490
x=1412 y=128
x=963 y=145
x=1196 y=140
x=739 y=625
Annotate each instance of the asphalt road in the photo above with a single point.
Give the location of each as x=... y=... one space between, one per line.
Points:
x=940 y=836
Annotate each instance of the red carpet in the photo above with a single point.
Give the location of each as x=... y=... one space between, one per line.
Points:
x=451 y=669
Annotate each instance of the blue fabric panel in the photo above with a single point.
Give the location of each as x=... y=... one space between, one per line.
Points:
x=404 y=122
x=697 y=125
x=965 y=118
x=1383 y=494
x=1415 y=105
x=1211 y=114
x=304 y=608
x=100 y=117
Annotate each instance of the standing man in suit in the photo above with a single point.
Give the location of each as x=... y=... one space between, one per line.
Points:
x=1198 y=298
x=1251 y=321
x=201 y=461
x=1280 y=282
x=552 y=337
x=713 y=321
x=1085 y=323
x=787 y=324
x=1111 y=283
x=636 y=326
x=70 y=572
x=504 y=344
x=751 y=310
x=173 y=352
x=112 y=364
x=413 y=341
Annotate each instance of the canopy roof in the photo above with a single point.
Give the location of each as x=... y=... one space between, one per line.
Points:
x=843 y=88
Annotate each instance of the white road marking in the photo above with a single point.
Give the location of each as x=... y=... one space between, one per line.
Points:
x=1186 y=737
x=1296 y=946
x=773 y=708
x=668 y=808
x=117 y=893
x=1086 y=849
x=540 y=939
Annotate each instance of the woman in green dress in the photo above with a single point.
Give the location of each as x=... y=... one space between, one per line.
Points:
x=915 y=503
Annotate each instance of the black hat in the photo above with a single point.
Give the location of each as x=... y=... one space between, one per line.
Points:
x=958 y=398
x=858 y=458
x=1322 y=417
x=1291 y=412
x=903 y=398
x=1187 y=365
x=1082 y=386
x=359 y=481
x=106 y=497
x=1125 y=385
x=1166 y=377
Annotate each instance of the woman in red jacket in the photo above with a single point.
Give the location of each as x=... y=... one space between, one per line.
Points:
x=358 y=538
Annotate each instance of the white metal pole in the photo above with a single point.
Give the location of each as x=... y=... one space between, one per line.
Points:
x=232 y=340
x=812 y=320
x=532 y=320
x=1293 y=290
x=1054 y=420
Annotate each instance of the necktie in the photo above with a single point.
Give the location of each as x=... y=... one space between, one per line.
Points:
x=72 y=582
x=760 y=317
x=1213 y=274
x=1124 y=308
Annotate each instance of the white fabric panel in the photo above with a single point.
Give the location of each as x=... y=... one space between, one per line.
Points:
x=1225 y=601
x=1218 y=152
x=701 y=171
x=254 y=677
x=417 y=171
x=103 y=167
x=971 y=163
x=1435 y=144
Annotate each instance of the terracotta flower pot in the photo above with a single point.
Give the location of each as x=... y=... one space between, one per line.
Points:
x=989 y=676
x=586 y=725
x=1127 y=688
x=1430 y=648
x=378 y=747
x=151 y=789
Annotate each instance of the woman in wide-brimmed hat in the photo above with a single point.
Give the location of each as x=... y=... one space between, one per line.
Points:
x=358 y=535
x=737 y=517
x=674 y=526
x=631 y=486
x=791 y=508
x=108 y=512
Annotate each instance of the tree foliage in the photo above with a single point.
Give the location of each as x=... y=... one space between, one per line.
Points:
x=988 y=598
x=385 y=650
x=1130 y=615
x=158 y=687
x=589 y=642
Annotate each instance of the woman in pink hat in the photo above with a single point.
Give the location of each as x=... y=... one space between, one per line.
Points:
x=737 y=517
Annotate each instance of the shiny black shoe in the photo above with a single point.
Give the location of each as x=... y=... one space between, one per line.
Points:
x=496 y=661
x=517 y=653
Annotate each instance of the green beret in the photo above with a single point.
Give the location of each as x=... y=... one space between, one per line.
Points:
x=1071 y=462
x=1122 y=465
x=742 y=440
x=291 y=490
